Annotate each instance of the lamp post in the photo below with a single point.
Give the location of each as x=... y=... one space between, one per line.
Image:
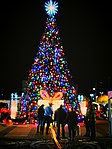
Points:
x=110 y=110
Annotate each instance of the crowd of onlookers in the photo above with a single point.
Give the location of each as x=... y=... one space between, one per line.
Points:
x=61 y=117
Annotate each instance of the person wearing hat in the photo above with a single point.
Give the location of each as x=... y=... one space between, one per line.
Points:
x=48 y=112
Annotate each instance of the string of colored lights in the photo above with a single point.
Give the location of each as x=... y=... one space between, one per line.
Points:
x=50 y=70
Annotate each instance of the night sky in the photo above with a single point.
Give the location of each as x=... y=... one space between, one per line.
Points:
x=85 y=30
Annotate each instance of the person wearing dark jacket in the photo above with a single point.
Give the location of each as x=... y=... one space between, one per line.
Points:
x=40 y=119
x=72 y=121
x=60 y=117
x=91 y=120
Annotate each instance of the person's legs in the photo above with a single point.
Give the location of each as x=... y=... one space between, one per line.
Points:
x=93 y=135
x=44 y=121
x=88 y=125
x=73 y=133
x=63 y=130
x=38 y=125
x=41 y=126
x=47 y=128
x=48 y=124
x=69 y=132
x=58 y=130
x=73 y=129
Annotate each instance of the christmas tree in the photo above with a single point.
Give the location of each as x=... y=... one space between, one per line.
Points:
x=49 y=71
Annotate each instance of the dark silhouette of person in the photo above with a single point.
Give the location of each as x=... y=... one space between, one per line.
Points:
x=60 y=117
x=48 y=112
x=91 y=121
x=40 y=119
x=87 y=125
x=72 y=121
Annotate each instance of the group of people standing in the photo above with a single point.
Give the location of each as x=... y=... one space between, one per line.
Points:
x=70 y=118
x=61 y=117
x=44 y=116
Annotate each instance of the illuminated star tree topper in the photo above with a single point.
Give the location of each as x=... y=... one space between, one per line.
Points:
x=51 y=8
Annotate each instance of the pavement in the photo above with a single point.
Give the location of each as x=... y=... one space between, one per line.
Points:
x=26 y=137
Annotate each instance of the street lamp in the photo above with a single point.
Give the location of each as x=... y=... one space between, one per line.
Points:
x=94 y=89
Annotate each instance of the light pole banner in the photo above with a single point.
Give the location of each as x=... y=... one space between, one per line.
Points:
x=109 y=94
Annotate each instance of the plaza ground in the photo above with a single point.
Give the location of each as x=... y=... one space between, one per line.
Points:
x=25 y=136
